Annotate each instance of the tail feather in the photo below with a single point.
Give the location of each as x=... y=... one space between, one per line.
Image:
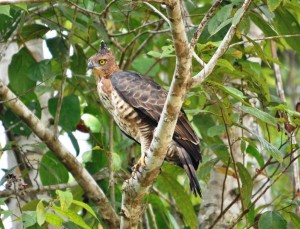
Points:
x=188 y=166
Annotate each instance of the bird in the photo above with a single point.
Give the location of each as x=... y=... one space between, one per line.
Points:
x=136 y=103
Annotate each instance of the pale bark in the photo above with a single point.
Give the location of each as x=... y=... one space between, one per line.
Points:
x=135 y=188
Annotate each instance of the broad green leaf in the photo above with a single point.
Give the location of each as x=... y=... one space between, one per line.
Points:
x=262 y=24
x=54 y=219
x=225 y=63
x=85 y=206
x=237 y=16
x=295 y=219
x=271 y=149
x=65 y=198
x=58 y=48
x=18 y=71
x=40 y=71
x=78 y=61
x=31 y=206
x=287 y=24
x=69 y=113
x=169 y=184
x=215 y=130
x=235 y=93
x=263 y=116
x=28 y=219
x=52 y=170
x=257 y=49
x=40 y=213
x=256 y=154
x=247 y=183
x=91 y=122
x=5 y=9
x=272 y=219
x=72 y=216
x=273 y=4
x=220 y=26
x=224 y=12
x=33 y=31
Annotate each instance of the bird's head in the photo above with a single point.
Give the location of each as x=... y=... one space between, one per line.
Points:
x=103 y=63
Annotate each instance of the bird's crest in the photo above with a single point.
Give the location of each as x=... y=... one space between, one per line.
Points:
x=103 y=48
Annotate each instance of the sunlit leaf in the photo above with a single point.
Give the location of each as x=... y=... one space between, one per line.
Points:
x=40 y=213
x=54 y=219
x=273 y=4
x=263 y=116
x=65 y=198
x=85 y=206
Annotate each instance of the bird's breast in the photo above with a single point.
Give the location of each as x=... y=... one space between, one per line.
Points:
x=124 y=115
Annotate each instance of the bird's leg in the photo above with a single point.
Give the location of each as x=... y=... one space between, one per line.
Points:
x=140 y=164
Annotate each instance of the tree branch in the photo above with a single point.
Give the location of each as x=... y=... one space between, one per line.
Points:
x=83 y=178
x=135 y=188
x=206 y=71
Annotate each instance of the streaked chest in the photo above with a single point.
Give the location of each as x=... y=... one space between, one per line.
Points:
x=124 y=114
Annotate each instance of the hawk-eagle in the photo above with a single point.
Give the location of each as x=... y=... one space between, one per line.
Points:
x=136 y=103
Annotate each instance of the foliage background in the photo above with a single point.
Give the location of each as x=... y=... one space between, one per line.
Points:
x=237 y=89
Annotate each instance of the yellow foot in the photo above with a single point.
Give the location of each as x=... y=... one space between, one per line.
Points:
x=140 y=164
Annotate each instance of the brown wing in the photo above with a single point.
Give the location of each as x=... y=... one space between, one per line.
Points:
x=148 y=98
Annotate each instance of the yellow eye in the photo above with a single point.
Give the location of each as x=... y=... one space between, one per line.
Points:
x=102 y=62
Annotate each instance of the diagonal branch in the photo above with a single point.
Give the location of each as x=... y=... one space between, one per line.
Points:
x=207 y=70
x=135 y=188
x=83 y=178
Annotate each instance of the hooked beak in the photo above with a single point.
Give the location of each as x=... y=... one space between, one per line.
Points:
x=90 y=65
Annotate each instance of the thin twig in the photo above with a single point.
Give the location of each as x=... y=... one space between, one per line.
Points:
x=110 y=163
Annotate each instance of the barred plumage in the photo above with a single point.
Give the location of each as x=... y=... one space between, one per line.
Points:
x=136 y=103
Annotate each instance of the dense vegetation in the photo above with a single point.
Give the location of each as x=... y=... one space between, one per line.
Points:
x=248 y=128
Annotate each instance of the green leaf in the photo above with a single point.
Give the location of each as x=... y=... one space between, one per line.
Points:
x=91 y=122
x=237 y=16
x=33 y=31
x=287 y=24
x=78 y=61
x=72 y=216
x=41 y=71
x=295 y=219
x=272 y=219
x=30 y=206
x=58 y=48
x=29 y=219
x=235 y=93
x=220 y=26
x=65 y=198
x=40 y=213
x=54 y=219
x=247 y=183
x=170 y=185
x=52 y=170
x=5 y=9
x=18 y=71
x=224 y=13
x=74 y=142
x=270 y=148
x=258 y=49
x=273 y=4
x=263 y=116
x=85 y=206
x=70 y=105
x=215 y=130
x=225 y=63
x=256 y=154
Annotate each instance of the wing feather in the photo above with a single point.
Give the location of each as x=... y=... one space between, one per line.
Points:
x=148 y=99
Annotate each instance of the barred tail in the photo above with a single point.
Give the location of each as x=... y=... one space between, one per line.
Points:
x=187 y=164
